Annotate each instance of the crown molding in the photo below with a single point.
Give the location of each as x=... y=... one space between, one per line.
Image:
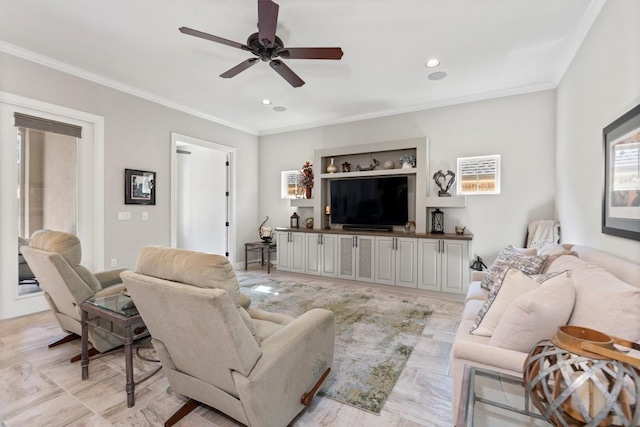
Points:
x=28 y=55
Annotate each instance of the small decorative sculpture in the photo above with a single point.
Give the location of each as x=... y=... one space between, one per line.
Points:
x=408 y=161
x=265 y=232
x=444 y=181
x=306 y=180
x=346 y=167
x=371 y=167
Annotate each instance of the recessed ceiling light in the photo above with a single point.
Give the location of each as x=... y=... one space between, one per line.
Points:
x=279 y=109
x=432 y=63
x=266 y=101
x=438 y=75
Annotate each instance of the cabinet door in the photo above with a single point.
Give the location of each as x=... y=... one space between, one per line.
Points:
x=297 y=252
x=346 y=255
x=455 y=266
x=429 y=264
x=385 y=260
x=312 y=248
x=406 y=258
x=329 y=255
x=364 y=258
x=284 y=261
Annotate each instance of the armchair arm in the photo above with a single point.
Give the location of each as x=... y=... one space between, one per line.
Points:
x=109 y=277
x=293 y=360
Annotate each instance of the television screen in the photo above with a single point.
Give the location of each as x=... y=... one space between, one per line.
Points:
x=370 y=201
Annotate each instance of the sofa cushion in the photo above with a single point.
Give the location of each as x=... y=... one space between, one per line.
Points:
x=510 y=257
x=476 y=292
x=603 y=302
x=535 y=315
x=553 y=252
x=515 y=283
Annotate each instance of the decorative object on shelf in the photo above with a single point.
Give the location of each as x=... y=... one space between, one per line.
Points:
x=306 y=181
x=478 y=265
x=389 y=165
x=410 y=227
x=579 y=378
x=265 y=232
x=139 y=187
x=294 y=221
x=327 y=212
x=437 y=222
x=332 y=168
x=408 y=161
x=346 y=167
x=460 y=229
x=371 y=167
x=444 y=181
x=309 y=223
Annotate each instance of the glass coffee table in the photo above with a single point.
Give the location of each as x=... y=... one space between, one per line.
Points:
x=494 y=399
x=117 y=316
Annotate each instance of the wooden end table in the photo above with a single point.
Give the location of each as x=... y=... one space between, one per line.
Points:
x=262 y=247
x=107 y=312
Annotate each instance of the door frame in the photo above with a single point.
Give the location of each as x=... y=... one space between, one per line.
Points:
x=90 y=194
x=175 y=139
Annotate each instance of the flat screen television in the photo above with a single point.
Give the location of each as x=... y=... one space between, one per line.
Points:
x=379 y=201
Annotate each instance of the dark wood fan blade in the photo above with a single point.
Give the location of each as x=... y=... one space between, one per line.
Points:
x=267 y=21
x=311 y=53
x=196 y=33
x=286 y=73
x=239 y=68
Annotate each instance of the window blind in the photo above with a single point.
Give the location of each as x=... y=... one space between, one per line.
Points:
x=47 y=125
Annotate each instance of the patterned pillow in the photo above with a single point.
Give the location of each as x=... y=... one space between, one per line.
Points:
x=508 y=258
x=514 y=284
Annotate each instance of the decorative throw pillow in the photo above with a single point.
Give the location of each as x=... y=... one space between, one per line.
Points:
x=554 y=251
x=515 y=283
x=510 y=257
x=535 y=315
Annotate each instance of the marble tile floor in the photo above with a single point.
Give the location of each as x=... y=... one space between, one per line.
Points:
x=39 y=387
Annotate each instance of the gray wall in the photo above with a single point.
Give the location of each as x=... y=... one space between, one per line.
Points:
x=137 y=136
x=602 y=83
x=519 y=128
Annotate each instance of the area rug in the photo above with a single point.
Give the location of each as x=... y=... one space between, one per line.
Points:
x=375 y=333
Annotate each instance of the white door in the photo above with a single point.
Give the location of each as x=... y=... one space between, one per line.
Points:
x=428 y=264
x=312 y=241
x=329 y=255
x=406 y=257
x=385 y=260
x=455 y=266
x=202 y=196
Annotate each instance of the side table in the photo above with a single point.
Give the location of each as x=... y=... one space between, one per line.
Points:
x=110 y=310
x=494 y=399
x=262 y=247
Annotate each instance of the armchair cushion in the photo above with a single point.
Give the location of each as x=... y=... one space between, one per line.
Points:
x=213 y=271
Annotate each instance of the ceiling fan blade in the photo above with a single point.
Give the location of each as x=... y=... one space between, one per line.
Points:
x=196 y=33
x=311 y=53
x=239 y=68
x=267 y=22
x=286 y=73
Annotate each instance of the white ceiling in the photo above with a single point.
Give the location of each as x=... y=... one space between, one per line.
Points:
x=488 y=48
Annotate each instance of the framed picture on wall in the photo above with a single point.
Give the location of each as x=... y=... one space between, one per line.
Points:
x=139 y=187
x=621 y=203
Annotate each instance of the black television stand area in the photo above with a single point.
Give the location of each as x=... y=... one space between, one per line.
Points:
x=357 y=227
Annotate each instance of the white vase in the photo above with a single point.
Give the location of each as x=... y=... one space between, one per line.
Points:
x=407 y=165
x=332 y=168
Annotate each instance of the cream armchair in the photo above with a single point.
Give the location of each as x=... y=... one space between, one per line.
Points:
x=260 y=368
x=54 y=257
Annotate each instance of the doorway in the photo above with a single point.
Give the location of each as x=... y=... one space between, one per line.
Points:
x=202 y=196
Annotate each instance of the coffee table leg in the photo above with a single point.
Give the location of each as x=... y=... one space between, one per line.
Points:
x=246 y=258
x=84 y=341
x=128 y=357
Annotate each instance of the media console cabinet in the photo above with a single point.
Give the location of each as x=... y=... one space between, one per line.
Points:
x=434 y=262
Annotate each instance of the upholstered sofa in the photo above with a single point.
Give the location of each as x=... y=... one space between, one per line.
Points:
x=605 y=297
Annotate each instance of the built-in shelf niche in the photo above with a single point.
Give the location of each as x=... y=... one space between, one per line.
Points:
x=301 y=203
x=447 y=202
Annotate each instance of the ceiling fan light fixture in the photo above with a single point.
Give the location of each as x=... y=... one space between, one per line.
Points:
x=432 y=63
x=266 y=101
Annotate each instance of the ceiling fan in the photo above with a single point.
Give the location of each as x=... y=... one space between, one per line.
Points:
x=267 y=46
